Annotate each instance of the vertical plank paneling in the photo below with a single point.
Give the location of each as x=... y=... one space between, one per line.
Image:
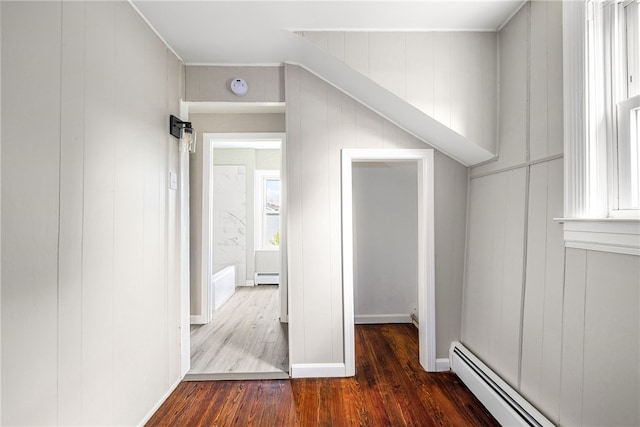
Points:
x=513 y=96
x=492 y=300
x=554 y=287
x=91 y=179
x=387 y=61
x=336 y=44
x=513 y=274
x=335 y=144
x=294 y=215
x=98 y=226
x=71 y=213
x=174 y=72
x=477 y=298
x=538 y=71
x=450 y=212
x=129 y=222
x=555 y=126
x=611 y=338
x=420 y=70
x=534 y=302
x=442 y=78
x=466 y=55
x=489 y=96
x=315 y=197
x=30 y=217
x=356 y=51
x=571 y=389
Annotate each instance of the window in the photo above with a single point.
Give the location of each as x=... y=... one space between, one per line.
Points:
x=600 y=90
x=267 y=210
x=613 y=99
x=628 y=106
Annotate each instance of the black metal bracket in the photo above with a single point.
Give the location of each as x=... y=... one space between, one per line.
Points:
x=175 y=125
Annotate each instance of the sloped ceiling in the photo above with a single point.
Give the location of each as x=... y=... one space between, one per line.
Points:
x=260 y=32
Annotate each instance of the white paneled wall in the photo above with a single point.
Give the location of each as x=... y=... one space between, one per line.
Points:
x=450 y=76
x=542 y=316
x=571 y=316
x=320 y=122
x=90 y=296
x=495 y=260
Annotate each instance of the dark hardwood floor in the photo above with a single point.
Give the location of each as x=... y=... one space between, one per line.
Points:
x=389 y=389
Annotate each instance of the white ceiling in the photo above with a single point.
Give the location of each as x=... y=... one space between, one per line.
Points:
x=259 y=32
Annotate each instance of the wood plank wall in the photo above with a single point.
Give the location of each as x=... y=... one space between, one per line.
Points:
x=90 y=290
x=451 y=76
x=557 y=324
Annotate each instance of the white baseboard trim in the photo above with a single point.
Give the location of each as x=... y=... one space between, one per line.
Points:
x=318 y=370
x=443 y=365
x=371 y=319
x=153 y=410
x=199 y=319
x=247 y=283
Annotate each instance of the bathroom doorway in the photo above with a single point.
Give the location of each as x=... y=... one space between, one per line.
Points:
x=243 y=260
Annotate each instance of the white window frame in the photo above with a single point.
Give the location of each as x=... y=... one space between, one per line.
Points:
x=261 y=177
x=589 y=220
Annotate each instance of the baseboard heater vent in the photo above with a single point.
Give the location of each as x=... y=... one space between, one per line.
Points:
x=267 y=279
x=504 y=403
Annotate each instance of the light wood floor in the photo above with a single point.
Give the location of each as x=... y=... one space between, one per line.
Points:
x=244 y=340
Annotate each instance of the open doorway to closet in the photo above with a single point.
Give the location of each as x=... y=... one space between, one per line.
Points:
x=388 y=244
x=240 y=331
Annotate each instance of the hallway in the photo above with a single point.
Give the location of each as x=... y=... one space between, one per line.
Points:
x=244 y=340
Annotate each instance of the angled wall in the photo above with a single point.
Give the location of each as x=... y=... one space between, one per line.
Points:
x=450 y=76
x=90 y=288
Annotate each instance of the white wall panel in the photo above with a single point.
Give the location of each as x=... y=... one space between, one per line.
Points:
x=294 y=218
x=315 y=196
x=546 y=79
x=611 y=340
x=31 y=103
x=98 y=260
x=495 y=257
x=542 y=319
x=448 y=75
x=449 y=239
x=387 y=61
x=356 y=51
x=110 y=348
x=420 y=72
x=571 y=382
x=71 y=212
x=513 y=94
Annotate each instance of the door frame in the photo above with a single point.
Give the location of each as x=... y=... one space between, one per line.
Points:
x=206 y=272
x=426 y=255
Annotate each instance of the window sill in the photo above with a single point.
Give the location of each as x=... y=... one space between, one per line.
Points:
x=617 y=235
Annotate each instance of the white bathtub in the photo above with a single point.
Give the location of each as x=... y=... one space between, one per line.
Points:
x=224 y=285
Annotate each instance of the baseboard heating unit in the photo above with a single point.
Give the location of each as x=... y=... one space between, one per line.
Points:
x=267 y=279
x=505 y=404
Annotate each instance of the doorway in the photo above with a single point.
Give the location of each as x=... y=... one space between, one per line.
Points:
x=423 y=161
x=243 y=289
